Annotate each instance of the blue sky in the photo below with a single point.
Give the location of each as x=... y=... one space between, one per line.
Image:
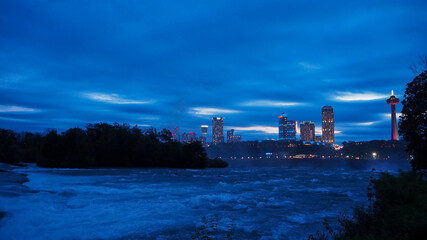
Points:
x=180 y=63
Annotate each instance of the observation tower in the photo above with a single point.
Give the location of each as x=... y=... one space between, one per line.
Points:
x=393 y=101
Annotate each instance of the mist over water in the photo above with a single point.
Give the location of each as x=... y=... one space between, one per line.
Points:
x=269 y=200
x=393 y=164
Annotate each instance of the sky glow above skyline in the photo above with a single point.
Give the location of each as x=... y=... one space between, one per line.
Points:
x=66 y=64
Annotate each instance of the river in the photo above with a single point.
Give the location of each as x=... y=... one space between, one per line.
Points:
x=255 y=202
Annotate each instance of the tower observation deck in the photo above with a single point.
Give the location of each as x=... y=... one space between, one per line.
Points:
x=393 y=101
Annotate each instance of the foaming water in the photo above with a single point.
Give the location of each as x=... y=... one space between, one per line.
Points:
x=262 y=203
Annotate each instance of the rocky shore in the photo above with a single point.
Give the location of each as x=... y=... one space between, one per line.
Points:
x=11 y=184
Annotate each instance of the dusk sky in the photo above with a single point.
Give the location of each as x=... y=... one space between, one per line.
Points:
x=166 y=64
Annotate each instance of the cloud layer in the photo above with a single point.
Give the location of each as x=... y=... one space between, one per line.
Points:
x=112 y=98
x=67 y=63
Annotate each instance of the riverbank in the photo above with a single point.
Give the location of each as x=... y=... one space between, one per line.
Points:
x=11 y=184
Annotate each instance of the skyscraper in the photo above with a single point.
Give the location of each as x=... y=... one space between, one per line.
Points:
x=217 y=130
x=204 y=133
x=307 y=131
x=328 y=133
x=287 y=128
x=393 y=101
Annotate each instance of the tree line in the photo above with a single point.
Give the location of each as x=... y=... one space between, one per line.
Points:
x=103 y=145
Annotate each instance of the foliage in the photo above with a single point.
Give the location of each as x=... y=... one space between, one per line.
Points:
x=32 y=144
x=413 y=122
x=397 y=210
x=101 y=145
x=10 y=151
x=216 y=163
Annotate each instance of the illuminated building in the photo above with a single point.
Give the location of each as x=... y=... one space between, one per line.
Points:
x=328 y=134
x=175 y=134
x=393 y=101
x=217 y=130
x=307 y=131
x=318 y=139
x=204 y=133
x=230 y=135
x=287 y=128
x=233 y=138
x=237 y=138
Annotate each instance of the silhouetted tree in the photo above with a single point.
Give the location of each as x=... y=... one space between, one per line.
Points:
x=397 y=210
x=32 y=144
x=103 y=145
x=10 y=152
x=75 y=149
x=51 y=150
x=165 y=135
x=413 y=122
x=194 y=155
x=421 y=66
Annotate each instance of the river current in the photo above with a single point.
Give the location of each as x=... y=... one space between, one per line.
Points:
x=274 y=202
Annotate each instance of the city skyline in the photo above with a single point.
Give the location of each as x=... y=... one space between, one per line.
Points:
x=168 y=65
x=240 y=119
x=287 y=130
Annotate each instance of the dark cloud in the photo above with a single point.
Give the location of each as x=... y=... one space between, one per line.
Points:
x=220 y=55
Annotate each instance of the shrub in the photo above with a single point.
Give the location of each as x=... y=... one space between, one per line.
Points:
x=397 y=210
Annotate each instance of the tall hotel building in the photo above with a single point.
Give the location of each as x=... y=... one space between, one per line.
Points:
x=307 y=131
x=204 y=133
x=328 y=124
x=287 y=128
x=217 y=130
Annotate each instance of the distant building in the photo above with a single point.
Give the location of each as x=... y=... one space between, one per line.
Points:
x=307 y=131
x=233 y=138
x=175 y=134
x=217 y=130
x=230 y=135
x=287 y=128
x=237 y=138
x=328 y=133
x=318 y=139
x=204 y=133
x=393 y=101
x=200 y=139
x=189 y=137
